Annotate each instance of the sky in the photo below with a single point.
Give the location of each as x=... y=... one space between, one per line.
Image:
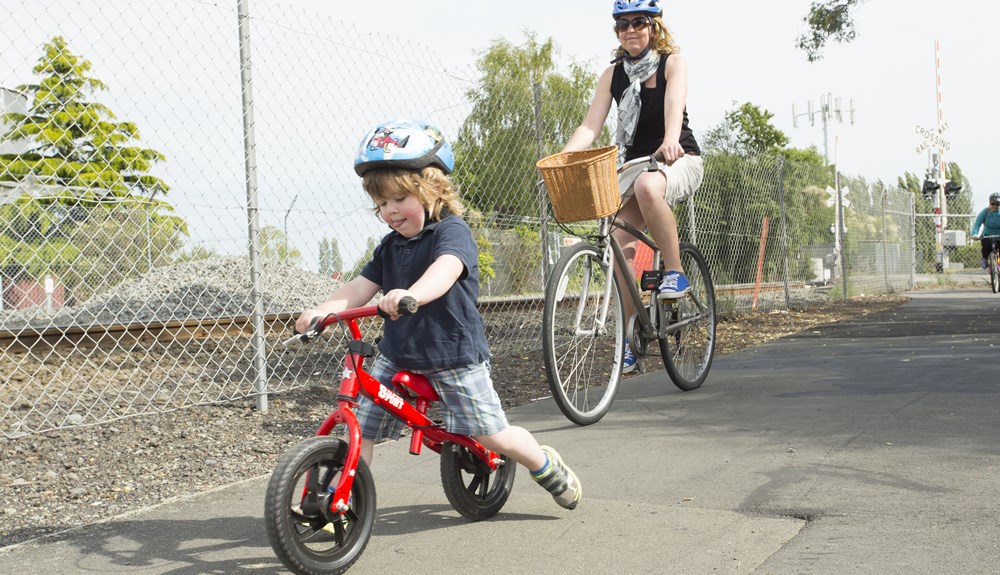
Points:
x=172 y=68
x=740 y=51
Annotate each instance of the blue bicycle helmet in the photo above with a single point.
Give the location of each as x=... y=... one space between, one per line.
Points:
x=651 y=7
x=408 y=144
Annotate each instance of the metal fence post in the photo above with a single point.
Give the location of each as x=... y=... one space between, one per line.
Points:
x=913 y=242
x=784 y=226
x=885 y=240
x=839 y=232
x=253 y=219
x=543 y=212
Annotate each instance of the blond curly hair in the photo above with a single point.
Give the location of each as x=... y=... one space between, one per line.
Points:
x=663 y=40
x=431 y=186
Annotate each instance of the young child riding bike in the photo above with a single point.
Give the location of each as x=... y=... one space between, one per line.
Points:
x=430 y=255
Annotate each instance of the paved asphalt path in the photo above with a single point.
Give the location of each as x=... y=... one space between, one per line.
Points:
x=867 y=446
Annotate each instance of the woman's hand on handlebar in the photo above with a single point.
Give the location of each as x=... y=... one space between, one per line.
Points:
x=669 y=151
x=390 y=302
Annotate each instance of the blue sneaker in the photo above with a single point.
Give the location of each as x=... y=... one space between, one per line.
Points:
x=630 y=361
x=674 y=285
x=982 y=262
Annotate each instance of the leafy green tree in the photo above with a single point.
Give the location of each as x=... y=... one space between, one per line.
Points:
x=745 y=131
x=827 y=20
x=500 y=141
x=274 y=246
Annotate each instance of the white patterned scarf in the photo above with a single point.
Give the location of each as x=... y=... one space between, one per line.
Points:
x=630 y=103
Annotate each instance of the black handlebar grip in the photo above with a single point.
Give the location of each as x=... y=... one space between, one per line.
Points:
x=408 y=306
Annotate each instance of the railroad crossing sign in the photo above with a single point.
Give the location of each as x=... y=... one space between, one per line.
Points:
x=832 y=200
x=933 y=138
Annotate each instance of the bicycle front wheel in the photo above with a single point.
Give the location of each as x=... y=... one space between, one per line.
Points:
x=583 y=334
x=689 y=344
x=995 y=272
x=305 y=534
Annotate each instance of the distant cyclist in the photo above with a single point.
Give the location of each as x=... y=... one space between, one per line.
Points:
x=989 y=222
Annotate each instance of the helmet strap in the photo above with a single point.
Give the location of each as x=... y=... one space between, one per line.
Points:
x=625 y=54
x=641 y=54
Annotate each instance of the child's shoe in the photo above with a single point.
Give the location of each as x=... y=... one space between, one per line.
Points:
x=559 y=480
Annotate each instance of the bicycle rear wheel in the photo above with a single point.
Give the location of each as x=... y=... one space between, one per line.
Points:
x=583 y=353
x=687 y=349
x=472 y=488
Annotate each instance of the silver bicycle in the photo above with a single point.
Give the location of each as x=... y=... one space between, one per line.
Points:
x=584 y=331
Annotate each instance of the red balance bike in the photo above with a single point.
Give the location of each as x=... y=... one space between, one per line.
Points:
x=320 y=502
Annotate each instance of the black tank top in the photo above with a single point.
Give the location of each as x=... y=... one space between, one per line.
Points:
x=649 y=132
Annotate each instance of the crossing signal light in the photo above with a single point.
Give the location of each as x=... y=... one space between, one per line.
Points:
x=930 y=188
x=951 y=190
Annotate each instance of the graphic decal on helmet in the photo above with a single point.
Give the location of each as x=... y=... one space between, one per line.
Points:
x=383 y=139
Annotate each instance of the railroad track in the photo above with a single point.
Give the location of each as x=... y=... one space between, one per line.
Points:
x=127 y=335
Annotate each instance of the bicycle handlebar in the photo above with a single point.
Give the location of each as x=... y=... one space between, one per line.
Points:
x=407 y=306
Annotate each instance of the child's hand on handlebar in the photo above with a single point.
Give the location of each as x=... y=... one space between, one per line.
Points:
x=389 y=303
x=302 y=324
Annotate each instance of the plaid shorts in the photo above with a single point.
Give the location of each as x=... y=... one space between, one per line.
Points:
x=469 y=404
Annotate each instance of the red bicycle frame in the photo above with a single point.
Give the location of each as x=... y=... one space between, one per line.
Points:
x=409 y=386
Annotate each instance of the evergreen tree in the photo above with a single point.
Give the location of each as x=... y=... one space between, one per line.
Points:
x=336 y=260
x=85 y=184
x=74 y=141
x=325 y=268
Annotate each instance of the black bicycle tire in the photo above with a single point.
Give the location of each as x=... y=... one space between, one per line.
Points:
x=486 y=491
x=283 y=526
x=994 y=272
x=551 y=354
x=699 y=274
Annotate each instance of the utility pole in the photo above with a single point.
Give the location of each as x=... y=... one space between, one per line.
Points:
x=830 y=109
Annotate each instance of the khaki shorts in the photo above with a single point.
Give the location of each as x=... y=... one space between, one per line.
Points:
x=684 y=177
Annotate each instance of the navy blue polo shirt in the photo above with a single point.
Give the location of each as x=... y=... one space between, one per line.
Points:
x=447 y=332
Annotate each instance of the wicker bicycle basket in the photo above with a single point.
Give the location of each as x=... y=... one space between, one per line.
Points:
x=582 y=185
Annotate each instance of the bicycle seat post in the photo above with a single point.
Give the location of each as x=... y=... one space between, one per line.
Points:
x=417 y=438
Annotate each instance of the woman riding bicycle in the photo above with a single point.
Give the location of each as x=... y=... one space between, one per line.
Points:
x=648 y=81
x=987 y=224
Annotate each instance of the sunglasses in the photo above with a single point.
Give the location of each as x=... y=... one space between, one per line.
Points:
x=995 y=204
x=637 y=23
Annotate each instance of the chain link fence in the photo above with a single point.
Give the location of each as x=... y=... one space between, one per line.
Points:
x=170 y=195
